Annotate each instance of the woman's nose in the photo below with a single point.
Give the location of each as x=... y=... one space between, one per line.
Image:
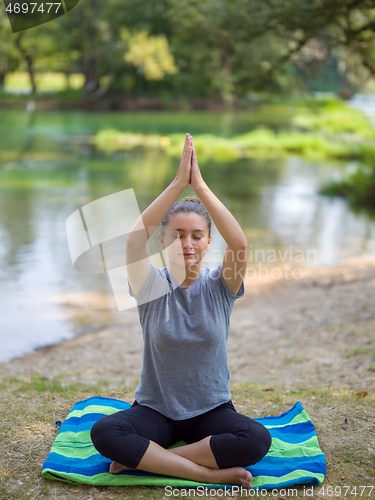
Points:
x=187 y=241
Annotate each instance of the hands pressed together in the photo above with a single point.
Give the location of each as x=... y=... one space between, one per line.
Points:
x=188 y=172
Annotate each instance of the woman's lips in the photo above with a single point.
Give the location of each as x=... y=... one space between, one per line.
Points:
x=188 y=254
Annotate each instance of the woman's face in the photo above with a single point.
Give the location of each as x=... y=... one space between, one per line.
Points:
x=186 y=238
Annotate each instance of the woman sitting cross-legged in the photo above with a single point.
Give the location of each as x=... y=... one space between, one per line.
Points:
x=184 y=311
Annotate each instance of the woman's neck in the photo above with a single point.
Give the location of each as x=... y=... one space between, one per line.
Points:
x=185 y=275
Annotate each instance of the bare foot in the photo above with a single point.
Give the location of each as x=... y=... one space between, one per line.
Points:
x=237 y=476
x=116 y=468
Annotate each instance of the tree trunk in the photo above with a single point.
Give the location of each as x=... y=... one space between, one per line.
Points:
x=29 y=62
x=2 y=80
x=91 y=78
x=90 y=60
x=67 y=83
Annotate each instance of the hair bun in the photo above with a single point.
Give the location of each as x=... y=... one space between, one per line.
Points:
x=192 y=199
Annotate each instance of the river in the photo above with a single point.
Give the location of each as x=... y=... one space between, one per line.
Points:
x=48 y=170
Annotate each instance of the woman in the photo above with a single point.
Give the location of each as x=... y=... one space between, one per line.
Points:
x=184 y=312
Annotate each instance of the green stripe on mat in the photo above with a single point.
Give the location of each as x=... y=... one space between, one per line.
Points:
x=82 y=453
x=298 y=419
x=115 y=480
x=104 y=410
x=277 y=444
x=111 y=479
x=294 y=454
x=82 y=437
x=292 y=476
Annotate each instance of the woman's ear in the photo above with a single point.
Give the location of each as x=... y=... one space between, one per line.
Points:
x=209 y=242
x=161 y=241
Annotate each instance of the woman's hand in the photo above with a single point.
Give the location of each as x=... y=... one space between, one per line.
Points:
x=182 y=178
x=196 y=179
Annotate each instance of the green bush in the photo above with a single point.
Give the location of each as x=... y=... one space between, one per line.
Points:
x=358 y=188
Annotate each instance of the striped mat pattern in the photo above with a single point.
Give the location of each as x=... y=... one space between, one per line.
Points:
x=294 y=458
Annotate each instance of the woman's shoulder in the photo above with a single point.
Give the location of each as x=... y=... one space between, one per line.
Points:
x=215 y=278
x=213 y=272
x=155 y=286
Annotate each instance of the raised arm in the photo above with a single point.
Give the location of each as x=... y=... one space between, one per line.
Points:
x=137 y=256
x=235 y=257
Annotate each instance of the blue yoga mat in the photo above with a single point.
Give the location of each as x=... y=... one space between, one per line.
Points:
x=294 y=458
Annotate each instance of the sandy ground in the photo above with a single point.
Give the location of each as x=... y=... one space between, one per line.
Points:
x=313 y=332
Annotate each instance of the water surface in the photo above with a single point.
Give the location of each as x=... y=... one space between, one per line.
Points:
x=48 y=170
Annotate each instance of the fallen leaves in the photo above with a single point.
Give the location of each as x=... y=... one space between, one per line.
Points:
x=347 y=426
x=361 y=394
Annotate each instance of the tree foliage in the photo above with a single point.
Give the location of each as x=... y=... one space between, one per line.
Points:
x=226 y=48
x=150 y=54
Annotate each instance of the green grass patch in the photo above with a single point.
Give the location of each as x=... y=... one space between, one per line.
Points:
x=361 y=350
x=261 y=143
x=335 y=117
x=45 y=82
x=358 y=187
x=319 y=130
x=29 y=408
x=292 y=359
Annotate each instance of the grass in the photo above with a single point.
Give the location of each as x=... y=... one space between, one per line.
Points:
x=45 y=82
x=358 y=187
x=292 y=359
x=360 y=350
x=30 y=407
x=258 y=143
x=318 y=130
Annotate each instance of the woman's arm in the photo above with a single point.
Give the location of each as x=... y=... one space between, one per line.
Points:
x=137 y=256
x=235 y=257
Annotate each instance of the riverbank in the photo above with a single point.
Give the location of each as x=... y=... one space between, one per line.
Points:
x=310 y=340
x=316 y=331
x=75 y=99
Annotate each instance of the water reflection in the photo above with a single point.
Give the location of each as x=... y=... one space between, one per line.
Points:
x=48 y=170
x=298 y=215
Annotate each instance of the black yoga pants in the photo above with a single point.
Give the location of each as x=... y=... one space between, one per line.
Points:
x=236 y=440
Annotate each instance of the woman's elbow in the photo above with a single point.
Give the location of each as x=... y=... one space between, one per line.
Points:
x=241 y=245
x=239 y=251
x=135 y=241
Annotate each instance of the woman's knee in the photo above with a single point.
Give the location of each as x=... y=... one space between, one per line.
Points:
x=106 y=436
x=246 y=447
x=264 y=441
x=117 y=440
x=255 y=444
x=102 y=434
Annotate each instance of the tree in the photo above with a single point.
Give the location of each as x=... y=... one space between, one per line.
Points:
x=224 y=48
x=249 y=45
x=9 y=56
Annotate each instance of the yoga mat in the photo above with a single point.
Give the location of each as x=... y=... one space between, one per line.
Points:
x=294 y=458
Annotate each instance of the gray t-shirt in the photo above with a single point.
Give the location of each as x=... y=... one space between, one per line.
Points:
x=185 y=329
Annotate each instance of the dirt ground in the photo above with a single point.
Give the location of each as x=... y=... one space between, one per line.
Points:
x=310 y=339
x=313 y=332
